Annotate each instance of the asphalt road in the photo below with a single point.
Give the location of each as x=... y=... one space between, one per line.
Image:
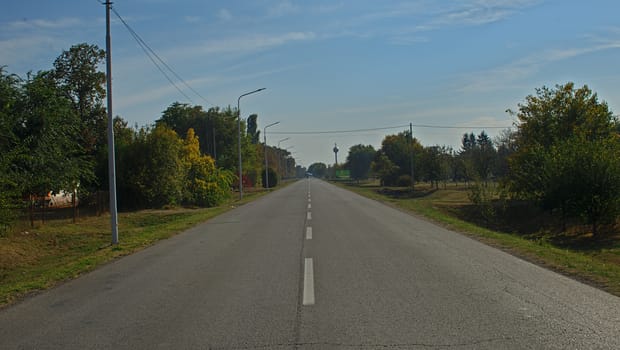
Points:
x=312 y=266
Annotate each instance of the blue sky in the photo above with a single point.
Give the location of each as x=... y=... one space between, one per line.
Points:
x=334 y=65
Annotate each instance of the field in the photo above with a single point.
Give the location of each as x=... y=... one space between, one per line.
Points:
x=517 y=228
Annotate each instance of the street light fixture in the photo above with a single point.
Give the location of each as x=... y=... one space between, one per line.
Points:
x=266 y=165
x=239 y=139
x=285 y=139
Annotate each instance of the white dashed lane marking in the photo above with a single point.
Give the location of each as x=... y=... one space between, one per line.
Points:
x=308 y=297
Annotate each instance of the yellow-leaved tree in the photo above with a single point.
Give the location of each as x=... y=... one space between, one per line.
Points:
x=205 y=184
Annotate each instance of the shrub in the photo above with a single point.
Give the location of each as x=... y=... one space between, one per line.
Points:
x=404 y=181
x=273 y=178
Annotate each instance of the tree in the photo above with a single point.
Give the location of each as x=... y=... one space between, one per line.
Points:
x=484 y=157
x=218 y=130
x=554 y=115
x=400 y=149
x=565 y=154
x=477 y=157
x=385 y=169
x=273 y=178
x=50 y=130
x=205 y=184
x=253 y=131
x=10 y=148
x=181 y=117
x=76 y=72
x=318 y=169
x=151 y=171
x=359 y=160
x=583 y=179
x=506 y=147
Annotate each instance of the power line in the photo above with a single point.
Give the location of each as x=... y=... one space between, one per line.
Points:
x=459 y=127
x=150 y=53
x=385 y=128
x=337 y=131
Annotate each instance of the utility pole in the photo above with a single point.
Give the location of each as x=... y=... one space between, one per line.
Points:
x=111 y=156
x=411 y=146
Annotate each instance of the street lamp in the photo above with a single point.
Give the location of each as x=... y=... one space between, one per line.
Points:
x=266 y=166
x=280 y=153
x=239 y=139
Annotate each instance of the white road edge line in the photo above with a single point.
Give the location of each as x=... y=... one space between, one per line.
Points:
x=309 y=232
x=308 y=298
x=309 y=216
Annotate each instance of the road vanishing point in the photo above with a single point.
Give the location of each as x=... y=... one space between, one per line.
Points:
x=314 y=266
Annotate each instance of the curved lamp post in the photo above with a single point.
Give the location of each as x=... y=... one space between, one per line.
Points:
x=266 y=166
x=239 y=139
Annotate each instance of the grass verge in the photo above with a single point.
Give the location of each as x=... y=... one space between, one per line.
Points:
x=597 y=265
x=34 y=259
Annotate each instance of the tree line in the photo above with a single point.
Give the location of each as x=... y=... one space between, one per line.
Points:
x=563 y=156
x=53 y=138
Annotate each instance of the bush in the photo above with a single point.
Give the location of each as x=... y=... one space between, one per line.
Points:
x=273 y=178
x=482 y=195
x=404 y=181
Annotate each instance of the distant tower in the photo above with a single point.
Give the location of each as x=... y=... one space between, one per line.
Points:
x=336 y=152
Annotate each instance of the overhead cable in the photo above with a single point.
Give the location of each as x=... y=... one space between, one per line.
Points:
x=385 y=128
x=151 y=53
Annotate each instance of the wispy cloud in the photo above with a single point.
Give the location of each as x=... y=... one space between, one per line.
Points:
x=410 y=22
x=283 y=8
x=249 y=43
x=499 y=77
x=479 y=12
x=45 y=23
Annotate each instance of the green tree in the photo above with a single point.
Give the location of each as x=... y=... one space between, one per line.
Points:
x=557 y=114
x=318 y=169
x=10 y=148
x=583 y=179
x=430 y=165
x=49 y=129
x=506 y=147
x=151 y=171
x=181 y=117
x=77 y=73
x=400 y=149
x=359 y=160
x=385 y=169
x=253 y=131
x=273 y=178
x=565 y=154
x=218 y=128
x=484 y=157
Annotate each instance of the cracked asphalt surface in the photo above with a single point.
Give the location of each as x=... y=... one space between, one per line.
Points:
x=382 y=280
